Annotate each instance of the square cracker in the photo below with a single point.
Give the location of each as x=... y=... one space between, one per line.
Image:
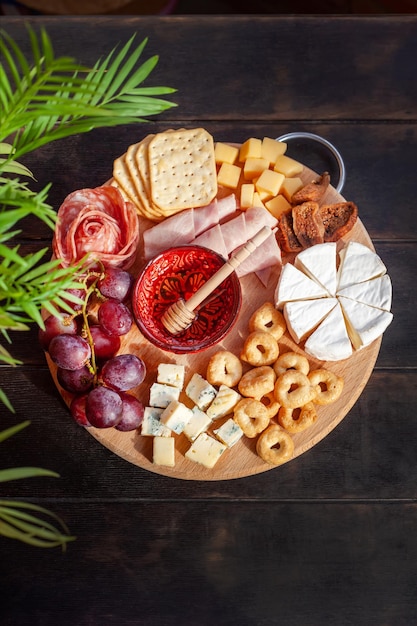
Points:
x=182 y=169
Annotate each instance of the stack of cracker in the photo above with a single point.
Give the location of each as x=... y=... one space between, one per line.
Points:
x=168 y=172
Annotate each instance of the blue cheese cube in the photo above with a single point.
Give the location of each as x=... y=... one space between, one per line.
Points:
x=224 y=402
x=205 y=450
x=197 y=424
x=171 y=374
x=161 y=395
x=176 y=416
x=151 y=423
x=164 y=451
x=229 y=432
x=200 y=391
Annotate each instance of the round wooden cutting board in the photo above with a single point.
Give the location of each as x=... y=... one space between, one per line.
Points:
x=241 y=460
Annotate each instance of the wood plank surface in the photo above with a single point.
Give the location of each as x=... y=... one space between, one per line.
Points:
x=329 y=538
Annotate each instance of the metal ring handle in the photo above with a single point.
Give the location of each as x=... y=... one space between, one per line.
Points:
x=325 y=142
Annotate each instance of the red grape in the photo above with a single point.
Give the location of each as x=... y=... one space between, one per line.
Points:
x=103 y=407
x=115 y=317
x=132 y=413
x=75 y=381
x=55 y=326
x=105 y=345
x=77 y=408
x=70 y=352
x=123 y=372
x=116 y=284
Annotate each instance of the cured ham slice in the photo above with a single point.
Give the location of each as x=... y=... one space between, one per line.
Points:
x=98 y=222
x=177 y=230
x=214 y=213
x=213 y=239
x=263 y=258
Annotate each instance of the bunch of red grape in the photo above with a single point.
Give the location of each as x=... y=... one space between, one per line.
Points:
x=85 y=353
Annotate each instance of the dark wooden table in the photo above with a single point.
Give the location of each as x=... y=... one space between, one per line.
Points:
x=329 y=538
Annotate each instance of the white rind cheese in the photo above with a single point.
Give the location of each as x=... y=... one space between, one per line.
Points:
x=364 y=323
x=330 y=341
x=358 y=263
x=319 y=263
x=376 y=292
x=302 y=316
x=293 y=284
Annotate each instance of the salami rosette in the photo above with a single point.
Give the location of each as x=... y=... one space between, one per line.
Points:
x=98 y=222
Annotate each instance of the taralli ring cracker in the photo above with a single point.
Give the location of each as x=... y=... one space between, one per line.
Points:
x=268 y=319
x=224 y=368
x=257 y=382
x=293 y=389
x=297 y=420
x=328 y=386
x=267 y=442
x=252 y=417
x=260 y=348
x=291 y=361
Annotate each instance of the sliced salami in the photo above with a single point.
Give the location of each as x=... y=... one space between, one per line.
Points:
x=98 y=222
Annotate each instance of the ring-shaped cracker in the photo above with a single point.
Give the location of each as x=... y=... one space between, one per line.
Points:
x=268 y=319
x=293 y=389
x=224 y=368
x=327 y=385
x=271 y=404
x=272 y=436
x=291 y=361
x=297 y=420
x=260 y=348
x=257 y=382
x=252 y=417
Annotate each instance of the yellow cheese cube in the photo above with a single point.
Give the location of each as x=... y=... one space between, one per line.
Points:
x=228 y=175
x=254 y=167
x=257 y=202
x=277 y=205
x=272 y=149
x=224 y=153
x=246 y=195
x=251 y=149
x=164 y=451
x=290 y=186
x=269 y=182
x=287 y=166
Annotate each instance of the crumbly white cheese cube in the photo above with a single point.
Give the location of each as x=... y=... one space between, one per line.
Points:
x=161 y=395
x=200 y=391
x=229 y=432
x=224 y=402
x=164 y=451
x=205 y=450
x=151 y=423
x=197 y=424
x=176 y=416
x=171 y=374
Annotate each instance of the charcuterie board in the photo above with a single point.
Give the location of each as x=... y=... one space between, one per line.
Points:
x=241 y=460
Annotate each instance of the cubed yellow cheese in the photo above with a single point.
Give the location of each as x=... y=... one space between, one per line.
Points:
x=251 y=149
x=287 y=166
x=228 y=175
x=257 y=202
x=224 y=153
x=164 y=451
x=290 y=186
x=272 y=149
x=254 y=167
x=277 y=205
x=246 y=195
x=270 y=183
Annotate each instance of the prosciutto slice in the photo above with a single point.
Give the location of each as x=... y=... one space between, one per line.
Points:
x=98 y=222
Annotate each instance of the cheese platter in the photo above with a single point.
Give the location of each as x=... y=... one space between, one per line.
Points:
x=240 y=459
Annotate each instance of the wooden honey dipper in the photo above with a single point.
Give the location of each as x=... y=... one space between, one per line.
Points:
x=181 y=314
